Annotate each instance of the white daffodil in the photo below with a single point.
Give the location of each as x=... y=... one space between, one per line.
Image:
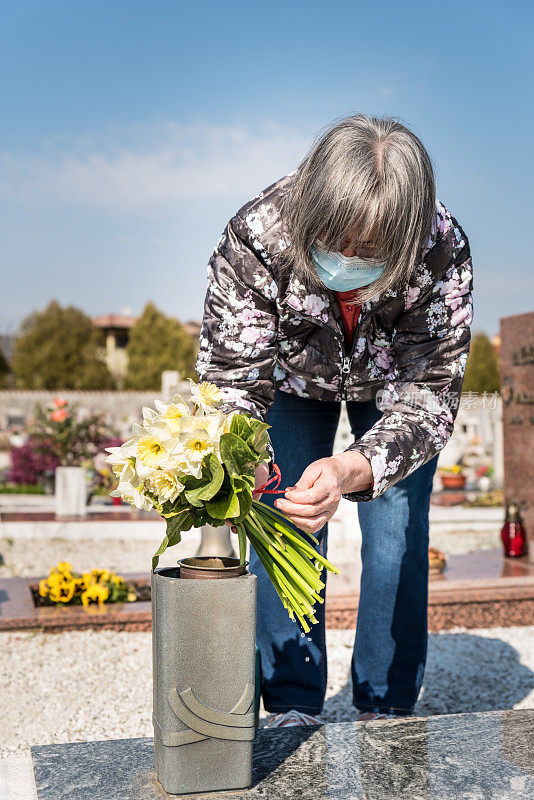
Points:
x=180 y=464
x=212 y=423
x=149 y=416
x=165 y=485
x=177 y=400
x=196 y=443
x=171 y=414
x=134 y=495
x=152 y=452
x=122 y=460
x=206 y=395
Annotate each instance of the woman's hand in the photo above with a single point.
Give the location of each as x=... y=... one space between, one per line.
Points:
x=261 y=475
x=315 y=497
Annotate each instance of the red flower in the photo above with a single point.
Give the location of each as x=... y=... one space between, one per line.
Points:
x=59 y=415
x=60 y=402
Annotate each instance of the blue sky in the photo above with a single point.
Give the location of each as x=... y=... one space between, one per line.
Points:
x=131 y=131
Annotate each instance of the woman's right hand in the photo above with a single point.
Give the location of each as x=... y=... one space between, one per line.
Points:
x=261 y=475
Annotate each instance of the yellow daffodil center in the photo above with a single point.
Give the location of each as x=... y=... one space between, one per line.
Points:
x=173 y=415
x=198 y=445
x=209 y=393
x=150 y=451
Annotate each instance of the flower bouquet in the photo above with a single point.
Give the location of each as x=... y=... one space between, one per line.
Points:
x=195 y=465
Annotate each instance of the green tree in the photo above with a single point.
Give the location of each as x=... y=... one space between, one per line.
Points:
x=156 y=343
x=58 y=348
x=4 y=371
x=482 y=369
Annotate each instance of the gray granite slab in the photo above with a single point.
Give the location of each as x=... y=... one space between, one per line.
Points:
x=486 y=756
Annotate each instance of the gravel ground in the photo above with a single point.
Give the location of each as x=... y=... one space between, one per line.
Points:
x=88 y=685
x=35 y=557
x=454 y=543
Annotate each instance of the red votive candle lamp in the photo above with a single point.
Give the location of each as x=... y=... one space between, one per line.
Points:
x=513 y=534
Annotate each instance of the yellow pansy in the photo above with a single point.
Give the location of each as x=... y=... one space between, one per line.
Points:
x=62 y=592
x=64 y=567
x=55 y=579
x=43 y=587
x=101 y=575
x=131 y=597
x=97 y=593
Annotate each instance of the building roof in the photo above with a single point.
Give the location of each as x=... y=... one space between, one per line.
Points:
x=192 y=327
x=114 y=321
x=125 y=322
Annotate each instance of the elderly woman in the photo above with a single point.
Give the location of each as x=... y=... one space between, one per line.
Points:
x=347 y=280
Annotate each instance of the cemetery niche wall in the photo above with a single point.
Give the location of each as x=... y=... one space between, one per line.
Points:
x=517 y=389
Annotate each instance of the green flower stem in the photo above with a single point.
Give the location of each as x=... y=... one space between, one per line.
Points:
x=284 y=584
x=280 y=519
x=306 y=607
x=290 y=533
x=267 y=563
x=265 y=529
x=286 y=564
x=299 y=609
x=263 y=523
x=242 y=539
x=292 y=563
x=303 y=564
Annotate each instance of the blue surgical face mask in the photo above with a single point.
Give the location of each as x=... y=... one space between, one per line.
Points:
x=343 y=273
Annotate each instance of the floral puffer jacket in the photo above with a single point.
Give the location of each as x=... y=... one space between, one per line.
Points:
x=263 y=329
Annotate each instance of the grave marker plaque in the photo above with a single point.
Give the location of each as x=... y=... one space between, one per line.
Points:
x=517 y=389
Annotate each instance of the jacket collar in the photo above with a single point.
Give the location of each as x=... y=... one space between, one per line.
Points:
x=322 y=307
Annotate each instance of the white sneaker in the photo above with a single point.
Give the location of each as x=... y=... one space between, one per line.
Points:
x=290 y=719
x=367 y=716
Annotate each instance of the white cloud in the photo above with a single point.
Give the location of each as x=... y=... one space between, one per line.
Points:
x=152 y=166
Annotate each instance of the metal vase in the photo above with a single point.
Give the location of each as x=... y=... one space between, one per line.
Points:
x=203 y=645
x=215 y=541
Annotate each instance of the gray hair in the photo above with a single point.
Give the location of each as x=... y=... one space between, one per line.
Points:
x=369 y=174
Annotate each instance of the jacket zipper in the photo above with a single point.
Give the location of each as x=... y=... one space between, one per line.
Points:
x=346 y=359
x=346 y=365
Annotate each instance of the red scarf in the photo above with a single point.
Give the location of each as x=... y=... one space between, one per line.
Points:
x=350 y=313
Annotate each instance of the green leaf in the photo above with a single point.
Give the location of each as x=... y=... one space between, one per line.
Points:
x=207 y=486
x=245 y=503
x=242 y=489
x=240 y=425
x=259 y=427
x=175 y=526
x=216 y=478
x=236 y=455
x=224 y=507
x=161 y=549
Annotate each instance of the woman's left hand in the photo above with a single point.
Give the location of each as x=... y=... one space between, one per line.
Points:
x=315 y=497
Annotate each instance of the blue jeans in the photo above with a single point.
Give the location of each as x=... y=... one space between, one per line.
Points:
x=391 y=633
